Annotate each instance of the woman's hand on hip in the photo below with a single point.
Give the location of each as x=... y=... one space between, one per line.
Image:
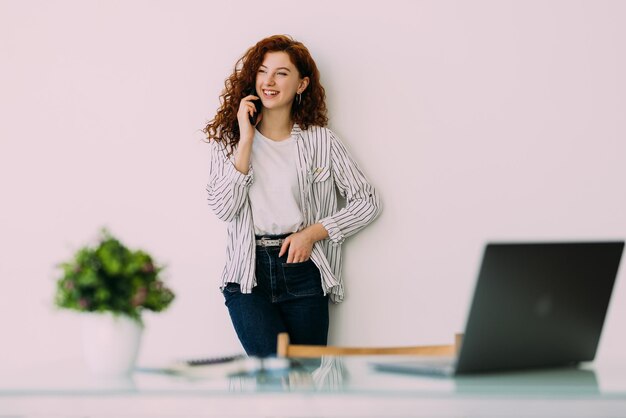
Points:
x=299 y=245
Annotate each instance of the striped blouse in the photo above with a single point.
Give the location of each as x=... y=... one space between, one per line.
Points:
x=324 y=167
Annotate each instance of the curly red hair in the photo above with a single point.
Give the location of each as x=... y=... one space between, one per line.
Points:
x=310 y=111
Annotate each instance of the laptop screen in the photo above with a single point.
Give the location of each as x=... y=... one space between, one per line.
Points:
x=538 y=305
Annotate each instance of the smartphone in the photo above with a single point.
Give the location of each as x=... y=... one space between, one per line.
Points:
x=257 y=104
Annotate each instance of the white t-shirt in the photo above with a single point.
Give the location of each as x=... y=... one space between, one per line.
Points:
x=275 y=194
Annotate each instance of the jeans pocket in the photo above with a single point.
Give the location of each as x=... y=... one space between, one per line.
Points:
x=302 y=279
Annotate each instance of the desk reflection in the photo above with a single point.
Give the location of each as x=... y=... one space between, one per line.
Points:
x=550 y=381
x=325 y=374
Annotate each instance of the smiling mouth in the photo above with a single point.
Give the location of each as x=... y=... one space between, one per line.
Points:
x=270 y=93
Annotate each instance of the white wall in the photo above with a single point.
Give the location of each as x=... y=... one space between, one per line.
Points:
x=476 y=120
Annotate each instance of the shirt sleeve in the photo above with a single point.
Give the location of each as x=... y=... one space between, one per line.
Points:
x=227 y=187
x=363 y=204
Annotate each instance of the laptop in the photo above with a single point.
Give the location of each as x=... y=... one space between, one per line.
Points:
x=535 y=305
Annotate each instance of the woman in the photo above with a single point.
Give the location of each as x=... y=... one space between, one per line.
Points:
x=273 y=180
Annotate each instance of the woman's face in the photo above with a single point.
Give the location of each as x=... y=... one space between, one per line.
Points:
x=278 y=81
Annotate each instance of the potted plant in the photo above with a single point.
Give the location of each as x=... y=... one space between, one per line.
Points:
x=112 y=285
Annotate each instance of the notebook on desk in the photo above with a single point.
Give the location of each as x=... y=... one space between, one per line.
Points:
x=535 y=305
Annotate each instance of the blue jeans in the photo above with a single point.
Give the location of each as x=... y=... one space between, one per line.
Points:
x=288 y=298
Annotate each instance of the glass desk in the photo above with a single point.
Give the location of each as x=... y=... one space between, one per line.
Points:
x=326 y=387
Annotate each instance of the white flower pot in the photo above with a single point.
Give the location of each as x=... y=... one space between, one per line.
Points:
x=110 y=343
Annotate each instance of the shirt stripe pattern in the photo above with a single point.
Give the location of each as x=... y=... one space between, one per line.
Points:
x=324 y=168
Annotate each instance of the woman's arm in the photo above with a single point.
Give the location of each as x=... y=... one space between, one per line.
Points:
x=227 y=188
x=229 y=183
x=363 y=206
x=363 y=203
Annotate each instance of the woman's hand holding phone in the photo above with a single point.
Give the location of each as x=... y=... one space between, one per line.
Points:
x=258 y=105
x=247 y=109
x=248 y=116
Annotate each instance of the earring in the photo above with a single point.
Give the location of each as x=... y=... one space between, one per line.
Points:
x=299 y=98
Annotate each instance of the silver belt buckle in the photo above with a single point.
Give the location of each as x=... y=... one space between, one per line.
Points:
x=268 y=242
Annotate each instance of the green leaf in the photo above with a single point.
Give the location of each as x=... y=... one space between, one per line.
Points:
x=111 y=277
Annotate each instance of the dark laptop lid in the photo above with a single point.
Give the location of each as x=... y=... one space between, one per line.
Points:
x=538 y=305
